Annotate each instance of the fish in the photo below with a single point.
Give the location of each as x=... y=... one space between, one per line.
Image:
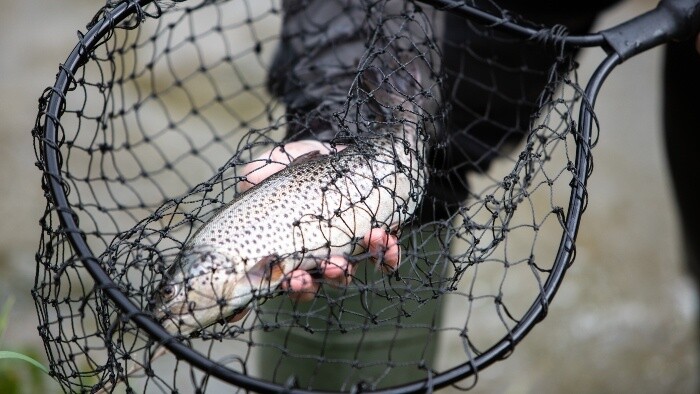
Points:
x=319 y=206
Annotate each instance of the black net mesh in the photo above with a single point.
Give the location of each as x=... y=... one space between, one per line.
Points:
x=455 y=138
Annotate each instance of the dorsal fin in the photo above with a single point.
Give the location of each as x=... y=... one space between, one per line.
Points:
x=309 y=156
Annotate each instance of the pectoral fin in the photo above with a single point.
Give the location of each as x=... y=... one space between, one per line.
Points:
x=238 y=315
x=267 y=271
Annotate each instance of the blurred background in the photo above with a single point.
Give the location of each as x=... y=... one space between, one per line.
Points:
x=624 y=320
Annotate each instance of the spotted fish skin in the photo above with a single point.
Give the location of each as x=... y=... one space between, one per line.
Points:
x=317 y=207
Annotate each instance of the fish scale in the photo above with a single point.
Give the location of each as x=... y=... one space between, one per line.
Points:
x=317 y=207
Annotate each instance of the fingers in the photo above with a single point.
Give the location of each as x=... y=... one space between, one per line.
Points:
x=301 y=286
x=261 y=168
x=277 y=159
x=337 y=270
x=384 y=248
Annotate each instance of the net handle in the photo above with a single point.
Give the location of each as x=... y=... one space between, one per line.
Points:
x=670 y=20
x=461 y=8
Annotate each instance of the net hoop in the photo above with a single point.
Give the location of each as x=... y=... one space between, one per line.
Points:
x=52 y=179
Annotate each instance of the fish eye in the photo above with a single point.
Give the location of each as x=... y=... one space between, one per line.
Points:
x=168 y=292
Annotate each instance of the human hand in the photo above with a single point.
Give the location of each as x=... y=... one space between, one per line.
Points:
x=382 y=246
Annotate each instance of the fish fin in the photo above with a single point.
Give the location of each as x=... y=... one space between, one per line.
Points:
x=267 y=269
x=308 y=156
x=276 y=272
x=238 y=315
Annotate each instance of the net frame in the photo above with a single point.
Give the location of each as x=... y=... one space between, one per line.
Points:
x=48 y=151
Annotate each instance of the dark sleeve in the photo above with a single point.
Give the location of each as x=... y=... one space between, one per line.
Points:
x=492 y=82
x=681 y=121
x=495 y=81
x=312 y=72
x=324 y=47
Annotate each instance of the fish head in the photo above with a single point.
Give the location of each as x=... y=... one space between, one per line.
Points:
x=205 y=286
x=196 y=291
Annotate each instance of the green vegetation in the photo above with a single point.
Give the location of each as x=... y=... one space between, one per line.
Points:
x=20 y=372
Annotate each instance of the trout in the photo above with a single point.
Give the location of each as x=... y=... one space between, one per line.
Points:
x=318 y=206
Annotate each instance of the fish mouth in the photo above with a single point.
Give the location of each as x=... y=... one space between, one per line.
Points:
x=169 y=325
x=189 y=323
x=153 y=307
x=163 y=317
x=173 y=323
x=162 y=313
x=157 y=308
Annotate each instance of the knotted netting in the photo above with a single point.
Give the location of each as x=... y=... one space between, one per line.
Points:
x=456 y=138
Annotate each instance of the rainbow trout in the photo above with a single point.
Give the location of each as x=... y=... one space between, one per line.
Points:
x=319 y=206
